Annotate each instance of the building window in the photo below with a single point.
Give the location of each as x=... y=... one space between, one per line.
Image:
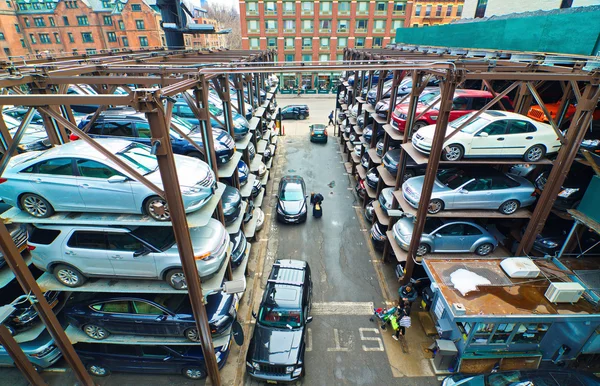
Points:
x=381 y=8
x=270 y=8
x=530 y=333
x=324 y=42
x=307 y=7
x=57 y=37
x=271 y=26
x=340 y=57
x=428 y=10
x=121 y=25
x=27 y=24
x=459 y=10
x=112 y=37
x=33 y=39
x=377 y=42
x=325 y=8
x=566 y=4
x=52 y=22
x=22 y=7
x=289 y=43
x=87 y=37
x=342 y=43
x=399 y=8
x=143 y=41
x=359 y=42
x=418 y=10
x=65 y=20
x=90 y=51
x=45 y=39
x=289 y=26
x=344 y=7
x=36 y=6
x=289 y=58
x=7 y=52
x=82 y=20
x=343 y=25
x=139 y=24
x=362 y=8
x=325 y=26
x=306 y=43
x=49 y=5
x=136 y=7
x=307 y=25
x=17 y=28
x=307 y=58
x=397 y=24
x=361 y=25
x=2 y=36
x=71 y=39
x=271 y=42
x=449 y=10
x=324 y=58
x=107 y=20
x=39 y=22
x=254 y=43
x=289 y=8
x=23 y=43
x=105 y=4
x=480 y=10
x=125 y=41
x=8 y=4
x=379 y=25
x=438 y=10
x=251 y=8
x=253 y=26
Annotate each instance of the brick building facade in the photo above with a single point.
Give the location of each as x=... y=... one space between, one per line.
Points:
x=426 y=12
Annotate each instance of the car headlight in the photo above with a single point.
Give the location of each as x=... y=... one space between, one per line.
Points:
x=303 y=209
x=256 y=366
x=297 y=372
x=279 y=210
x=191 y=190
x=289 y=369
x=433 y=117
x=566 y=193
x=550 y=243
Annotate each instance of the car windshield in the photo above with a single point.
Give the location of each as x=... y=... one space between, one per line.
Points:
x=139 y=157
x=428 y=98
x=318 y=127
x=477 y=124
x=183 y=125
x=11 y=122
x=280 y=317
x=214 y=110
x=453 y=178
x=291 y=192
x=160 y=237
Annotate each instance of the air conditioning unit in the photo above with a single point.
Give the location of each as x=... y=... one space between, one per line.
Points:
x=564 y=292
x=520 y=268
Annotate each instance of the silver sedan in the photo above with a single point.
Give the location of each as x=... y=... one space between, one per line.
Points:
x=472 y=188
x=445 y=236
x=75 y=177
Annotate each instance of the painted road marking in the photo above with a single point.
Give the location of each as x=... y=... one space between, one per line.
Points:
x=309 y=339
x=336 y=338
x=342 y=308
x=373 y=338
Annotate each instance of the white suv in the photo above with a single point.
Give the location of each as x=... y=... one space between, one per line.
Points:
x=493 y=134
x=75 y=252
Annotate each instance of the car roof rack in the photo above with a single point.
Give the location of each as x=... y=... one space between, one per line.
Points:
x=288 y=266
x=294 y=283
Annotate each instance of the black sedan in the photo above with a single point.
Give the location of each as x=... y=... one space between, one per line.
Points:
x=232 y=204
x=372 y=177
x=150 y=314
x=239 y=248
x=552 y=238
x=299 y=112
x=573 y=188
x=291 y=200
x=391 y=160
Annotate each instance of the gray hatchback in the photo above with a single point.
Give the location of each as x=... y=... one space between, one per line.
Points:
x=75 y=252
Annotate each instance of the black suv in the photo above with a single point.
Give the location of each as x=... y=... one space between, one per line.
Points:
x=294 y=112
x=276 y=351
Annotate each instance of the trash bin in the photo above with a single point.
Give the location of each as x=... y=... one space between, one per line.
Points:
x=445 y=353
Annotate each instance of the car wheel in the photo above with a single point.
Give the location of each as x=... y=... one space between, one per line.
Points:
x=157 y=208
x=408 y=174
x=95 y=332
x=484 y=249
x=69 y=276
x=192 y=334
x=534 y=153
x=509 y=207
x=176 y=279
x=194 y=373
x=423 y=249
x=195 y=154
x=435 y=206
x=99 y=371
x=452 y=152
x=35 y=205
x=301 y=117
x=418 y=125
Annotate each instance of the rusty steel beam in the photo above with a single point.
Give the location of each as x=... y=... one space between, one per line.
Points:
x=447 y=93
x=488 y=85
x=27 y=282
x=540 y=102
x=145 y=80
x=170 y=180
x=575 y=133
x=58 y=99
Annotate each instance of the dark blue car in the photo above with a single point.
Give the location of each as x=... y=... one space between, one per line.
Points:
x=133 y=126
x=150 y=314
x=375 y=79
x=241 y=127
x=101 y=359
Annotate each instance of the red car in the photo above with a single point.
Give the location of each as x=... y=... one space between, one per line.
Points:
x=465 y=101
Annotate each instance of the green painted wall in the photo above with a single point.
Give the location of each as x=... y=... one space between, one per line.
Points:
x=573 y=33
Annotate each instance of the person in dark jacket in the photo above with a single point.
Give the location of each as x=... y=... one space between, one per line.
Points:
x=330 y=119
x=407 y=293
x=402 y=311
x=316 y=200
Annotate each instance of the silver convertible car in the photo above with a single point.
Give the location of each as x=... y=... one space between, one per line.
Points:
x=440 y=235
x=472 y=188
x=76 y=177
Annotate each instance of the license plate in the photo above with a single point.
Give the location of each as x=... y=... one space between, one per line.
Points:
x=270 y=381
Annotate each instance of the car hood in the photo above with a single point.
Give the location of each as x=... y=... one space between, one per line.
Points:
x=464 y=379
x=190 y=171
x=428 y=131
x=231 y=198
x=404 y=107
x=210 y=238
x=292 y=207
x=416 y=185
x=276 y=346
x=404 y=227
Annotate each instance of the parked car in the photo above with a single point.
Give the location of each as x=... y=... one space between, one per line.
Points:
x=243 y=172
x=523 y=378
x=101 y=359
x=391 y=145
x=368 y=132
x=386 y=197
x=18 y=113
x=369 y=211
x=256 y=187
x=444 y=235
x=291 y=200
x=365 y=159
x=251 y=151
x=472 y=188
x=24 y=316
x=232 y=204
x=19 y=235
x=392 y=158
x=360 y=189
x=133 y=126
x=374 y=80
x=573 y=187
x=404 y=88
x=241 y=126
x=294 y=112
x=382 y=108
x=276 y=350
x=41 y=352
x=536 y=112
x=318 y=133
x=260 y=218
x=74 y=253
x=378 y=236
x=552 y=238
x=372 y=177
x=494 y=134
x=464 y=102
x=76 y=177
x=239 y=248
x=100 y=316
x=34 y=138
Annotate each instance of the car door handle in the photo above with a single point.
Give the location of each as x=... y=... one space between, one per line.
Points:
x=38 y=180
x=85 y=186
x=139 y=321
x=70 y=253
x=117 y=256
x=528 y=137
x=500 y=139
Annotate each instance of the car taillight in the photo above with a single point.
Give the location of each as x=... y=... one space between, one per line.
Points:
x=73 y=137
x=534 y=194
x=30 y=247
x=325 y=132
x=3 y=180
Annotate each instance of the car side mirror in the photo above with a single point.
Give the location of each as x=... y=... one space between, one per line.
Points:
x=166 y=359
x=141 y=252
x=254 y=315
x=483 y=134
x=161 y=318
x=463 y=191
x=117 y=179
x=437 y=235
x=309 y=319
